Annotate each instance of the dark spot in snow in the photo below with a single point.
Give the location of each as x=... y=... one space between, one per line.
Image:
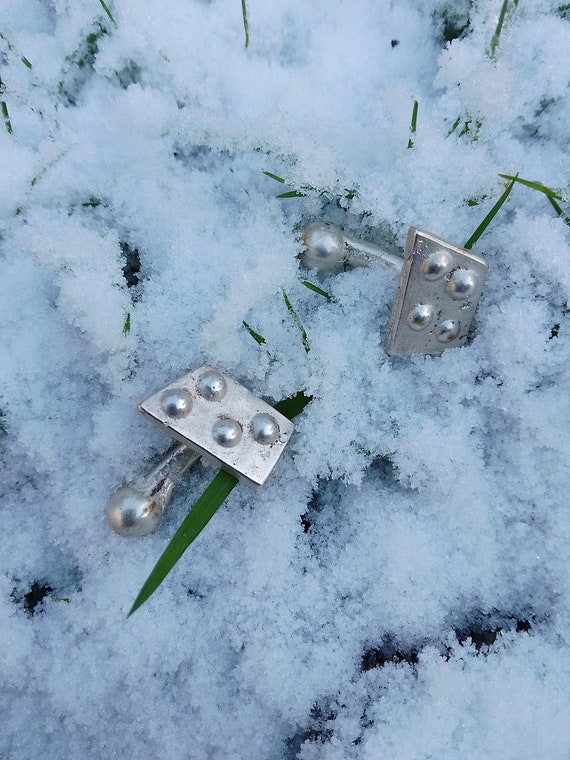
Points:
x=35 y=596
x=132 y=265
x=388 y=652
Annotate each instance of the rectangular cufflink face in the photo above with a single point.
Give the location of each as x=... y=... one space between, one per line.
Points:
x=438 y=291
x=222 y=421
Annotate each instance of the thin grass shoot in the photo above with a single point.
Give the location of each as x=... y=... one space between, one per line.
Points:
x=489 y=218
x=297 y=322
x=6 y=115
x=316 y=289
x=107 y=11
x=413 y=125
x=245 y=22
x=255 y=335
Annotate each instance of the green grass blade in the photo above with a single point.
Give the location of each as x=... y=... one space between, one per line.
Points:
x=203 y=510
x=245 y=24
x=297 y=322
x=255 y=335
x=196 y=520
x=26 y=62
x=294 y=405
x=414 y=124
x=489 y=218
x=127 y=324
x=498 y=29
x=316 y=289
x=559 y=211
x=6 y=115
x=555 y=206
x=348 y=192
x=108 y=12
x=291 y=194
x=275 y=177
x=548 y=191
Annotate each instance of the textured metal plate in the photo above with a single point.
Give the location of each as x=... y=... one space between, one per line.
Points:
x=223 y=421
x=438 y=291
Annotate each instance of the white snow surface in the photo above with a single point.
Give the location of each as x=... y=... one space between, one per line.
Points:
x=400 y=588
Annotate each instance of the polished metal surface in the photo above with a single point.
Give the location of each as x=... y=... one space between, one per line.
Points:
x=438 y=291
x=265 y=428
x=225 y=423
x=136 y=509
x=226 y=432
x=327 y=247
x=212 y=385
x=176 y=403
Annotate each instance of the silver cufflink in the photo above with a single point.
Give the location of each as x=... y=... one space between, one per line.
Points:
x=438 y=291
x=211 y=416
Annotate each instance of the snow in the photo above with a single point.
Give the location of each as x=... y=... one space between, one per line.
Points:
x=400 y=587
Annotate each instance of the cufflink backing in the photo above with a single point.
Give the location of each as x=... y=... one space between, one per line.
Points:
x=438 y=290
x=210 y=415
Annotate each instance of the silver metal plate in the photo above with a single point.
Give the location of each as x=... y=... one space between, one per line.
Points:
x=438 y=291
x=222 y=421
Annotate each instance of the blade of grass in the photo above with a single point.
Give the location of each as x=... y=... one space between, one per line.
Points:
x=108 y=12
x=291 y=194
x=499 y=28
x=245 y=24
x=203 y=511
x=559 y=211
x=555 y=206
x=297 y=322
x=551 y=194
x=294 y=405
x=193 y=524
x=489 y=218
x=316 y=289
x=127 y=324
x=275 y=177
x=26 y=62
x=548 y=191
x=414 y=124
x=255 y=335
x=6 y=115
x=348 y=192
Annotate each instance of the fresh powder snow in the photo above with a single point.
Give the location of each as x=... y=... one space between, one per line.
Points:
x=400 y=587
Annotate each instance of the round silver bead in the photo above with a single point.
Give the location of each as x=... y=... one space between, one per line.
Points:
x=447 y=331
x=264 y=428
x=176 y=402
x=462 y=284
x=133 y=513
x=436 y=265
x=325 y=248
x=420 y=316
x=227 y=432
x=212 y=385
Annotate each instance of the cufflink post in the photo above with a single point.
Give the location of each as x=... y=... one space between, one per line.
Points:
x=438 y=289
x=327 y=247
x=211 y=416
x=137 y=508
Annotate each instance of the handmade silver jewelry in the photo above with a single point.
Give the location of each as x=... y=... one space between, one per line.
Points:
x=438 y=290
